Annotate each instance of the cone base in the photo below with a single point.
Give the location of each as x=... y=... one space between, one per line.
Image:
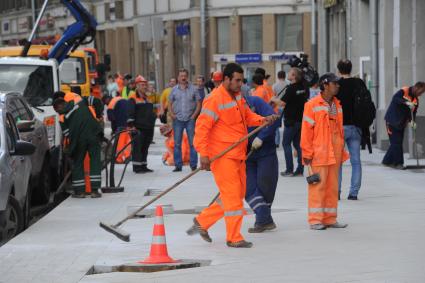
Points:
x=158 y=259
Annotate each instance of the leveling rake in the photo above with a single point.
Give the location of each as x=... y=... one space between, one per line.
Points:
x=123 y=235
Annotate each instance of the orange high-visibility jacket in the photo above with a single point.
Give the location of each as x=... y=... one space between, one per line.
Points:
x=262 y=92
x=222 y=122
x=316 y=137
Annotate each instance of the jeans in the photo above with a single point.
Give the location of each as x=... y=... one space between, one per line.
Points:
x=178 y=127
x=353 y=138
x=292 y=135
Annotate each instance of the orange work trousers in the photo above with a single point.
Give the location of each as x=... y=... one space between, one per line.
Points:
x=230 y=177
x=323 y=197
x=123 y=140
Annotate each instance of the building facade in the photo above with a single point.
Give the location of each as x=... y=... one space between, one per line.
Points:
x=253 y=33
x=385 y=40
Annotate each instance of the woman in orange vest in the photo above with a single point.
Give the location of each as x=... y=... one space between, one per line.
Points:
x=322 y=144
x=223 y=121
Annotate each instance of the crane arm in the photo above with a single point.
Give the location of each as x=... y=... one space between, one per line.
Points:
x=83 y=31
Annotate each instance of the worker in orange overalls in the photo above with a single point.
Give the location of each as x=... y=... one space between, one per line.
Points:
x=223 y=121
x=266 y=85
x=168 y=156
x=322 y=144
x=259 y=88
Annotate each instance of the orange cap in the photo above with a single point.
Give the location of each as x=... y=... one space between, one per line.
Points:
x=140 y=79
x=217 y=76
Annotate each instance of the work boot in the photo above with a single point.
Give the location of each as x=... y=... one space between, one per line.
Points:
x=78 y=195
x=197 y=229
x=95 y=194
x=297 y=173
x=337 y=225
x=350 y=197
x=177 y=169
x=145 y=169
x=317 y=227
x=286 y=174
x=262 y=228
x=193 y=168
x=240 y=244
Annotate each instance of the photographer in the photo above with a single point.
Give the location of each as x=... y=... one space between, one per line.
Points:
x=292 y=101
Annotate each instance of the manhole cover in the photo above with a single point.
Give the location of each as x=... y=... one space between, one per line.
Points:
x=140 y=267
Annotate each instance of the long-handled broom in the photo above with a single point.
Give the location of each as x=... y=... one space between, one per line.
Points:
x=123 y=235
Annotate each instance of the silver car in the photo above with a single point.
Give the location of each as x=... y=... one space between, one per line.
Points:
x=15 y=172
x=34 y=131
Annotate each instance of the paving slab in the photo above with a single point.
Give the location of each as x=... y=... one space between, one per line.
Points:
x=383 y=242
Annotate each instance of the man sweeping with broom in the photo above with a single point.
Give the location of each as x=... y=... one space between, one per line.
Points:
x=223 y=121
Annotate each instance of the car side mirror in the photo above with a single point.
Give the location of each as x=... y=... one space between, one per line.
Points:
x=23 y=148
x=25 y=126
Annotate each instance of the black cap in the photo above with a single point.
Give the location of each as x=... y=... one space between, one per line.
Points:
x=128 y=77
x=328 y=78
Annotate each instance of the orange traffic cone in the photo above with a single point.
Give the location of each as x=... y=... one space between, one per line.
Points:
x=159 y=252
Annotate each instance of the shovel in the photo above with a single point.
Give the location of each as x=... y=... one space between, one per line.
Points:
x=123 y=235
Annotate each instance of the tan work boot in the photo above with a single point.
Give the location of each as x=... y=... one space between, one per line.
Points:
x=95 y=194
x=197 y=229
x=240 y=244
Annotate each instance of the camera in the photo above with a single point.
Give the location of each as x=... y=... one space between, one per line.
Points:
x=310 y=75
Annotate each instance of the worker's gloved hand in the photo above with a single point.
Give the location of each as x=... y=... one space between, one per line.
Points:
x=413 y=125
x=257 y=143
x=205 y=163
x=271 y=118
x=410 y=104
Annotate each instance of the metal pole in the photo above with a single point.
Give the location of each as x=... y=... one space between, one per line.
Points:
x=203 y=39
x=33 y=12
x=313 y=34
x=34 y=28
x=154 y=56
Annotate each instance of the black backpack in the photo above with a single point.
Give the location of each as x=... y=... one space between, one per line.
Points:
x=364 y=110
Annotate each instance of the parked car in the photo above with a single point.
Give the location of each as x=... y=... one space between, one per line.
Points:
x=15 y=173
x=34 y=131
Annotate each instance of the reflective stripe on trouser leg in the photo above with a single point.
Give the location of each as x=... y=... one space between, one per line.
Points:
x=230 y=177
x=78 y=182
x=136 y=150
x=95 y=164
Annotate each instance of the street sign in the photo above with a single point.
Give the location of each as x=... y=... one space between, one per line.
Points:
x=248 y=58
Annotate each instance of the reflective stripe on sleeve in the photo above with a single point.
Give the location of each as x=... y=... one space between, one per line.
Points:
x=70 y=112
x=227 y=105
x=210 y=113
x=309 y=120
x=320 y=108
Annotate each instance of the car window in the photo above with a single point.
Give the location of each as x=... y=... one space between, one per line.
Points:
x=29 y=113
x=18 y=110
x=12 y=132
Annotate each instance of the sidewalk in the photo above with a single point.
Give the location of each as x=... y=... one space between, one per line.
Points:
x=383 y=242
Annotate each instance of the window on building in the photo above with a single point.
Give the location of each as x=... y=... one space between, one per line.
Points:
x=252 y=34
x=182 y=45
x=223 y=35
x=289 y=32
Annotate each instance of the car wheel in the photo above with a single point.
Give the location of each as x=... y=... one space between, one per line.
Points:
x=42 y=191
x=11 y=220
